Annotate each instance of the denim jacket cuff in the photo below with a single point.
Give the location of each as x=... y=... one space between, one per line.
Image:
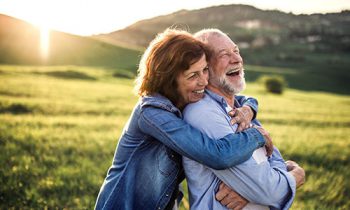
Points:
x=255 y=134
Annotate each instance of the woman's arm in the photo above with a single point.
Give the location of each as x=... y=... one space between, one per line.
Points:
x=188 y=141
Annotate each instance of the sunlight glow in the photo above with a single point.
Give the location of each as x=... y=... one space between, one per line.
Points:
x=87 y=17
x=44 y=42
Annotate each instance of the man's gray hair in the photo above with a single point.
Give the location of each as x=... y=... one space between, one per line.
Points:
x=205 y=34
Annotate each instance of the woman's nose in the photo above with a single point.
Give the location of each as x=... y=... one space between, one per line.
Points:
x=203 y=80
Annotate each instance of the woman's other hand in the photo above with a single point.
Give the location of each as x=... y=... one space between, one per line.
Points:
x=268 y=140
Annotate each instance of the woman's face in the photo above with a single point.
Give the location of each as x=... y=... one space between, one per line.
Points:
x=191 y=82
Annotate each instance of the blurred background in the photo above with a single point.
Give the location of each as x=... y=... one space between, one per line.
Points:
x=66 y=89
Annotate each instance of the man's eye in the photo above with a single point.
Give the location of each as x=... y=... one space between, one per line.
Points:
x=226 y=55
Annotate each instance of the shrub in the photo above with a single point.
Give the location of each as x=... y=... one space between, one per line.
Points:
x=70 y=75
x=124 y=74
x=274 y=84
x=15 y=108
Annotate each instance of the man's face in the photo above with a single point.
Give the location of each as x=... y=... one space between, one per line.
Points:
x=226 y=66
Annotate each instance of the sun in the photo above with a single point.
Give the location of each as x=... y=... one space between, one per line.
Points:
x=44 y=48
x=44 y=42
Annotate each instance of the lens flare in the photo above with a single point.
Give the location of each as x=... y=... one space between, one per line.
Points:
x=44 y=42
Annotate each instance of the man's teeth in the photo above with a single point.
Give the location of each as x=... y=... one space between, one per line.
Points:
x=233 y=71
x=199 y=91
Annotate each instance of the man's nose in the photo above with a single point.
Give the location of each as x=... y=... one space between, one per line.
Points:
x=236 y=58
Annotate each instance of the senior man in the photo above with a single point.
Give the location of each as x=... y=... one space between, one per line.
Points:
x=261 y=182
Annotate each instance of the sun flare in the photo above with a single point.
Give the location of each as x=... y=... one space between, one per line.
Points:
x=87 y=17
x=44 y=42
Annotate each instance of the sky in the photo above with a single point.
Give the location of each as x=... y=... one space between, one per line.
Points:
x=87 y=17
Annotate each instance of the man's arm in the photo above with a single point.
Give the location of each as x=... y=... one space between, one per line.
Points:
x=228 y=197
x=277 y=161
x=259 y=183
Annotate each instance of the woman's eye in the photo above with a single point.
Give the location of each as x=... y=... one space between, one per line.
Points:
x=192 y=76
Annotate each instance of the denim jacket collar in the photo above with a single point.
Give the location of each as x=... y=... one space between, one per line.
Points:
x=158 y=100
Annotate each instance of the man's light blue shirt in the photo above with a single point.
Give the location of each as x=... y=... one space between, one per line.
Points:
x=261 y=180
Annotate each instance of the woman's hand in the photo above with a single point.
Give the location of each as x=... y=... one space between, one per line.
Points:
x=242 y=116
x=268 y=140
x=230 y=198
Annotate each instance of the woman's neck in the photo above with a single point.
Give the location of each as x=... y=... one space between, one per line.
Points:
x=180 y=105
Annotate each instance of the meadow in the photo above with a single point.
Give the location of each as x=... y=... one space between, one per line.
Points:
x=59 y=126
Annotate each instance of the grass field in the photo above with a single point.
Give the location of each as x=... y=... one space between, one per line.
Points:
x=59 y=127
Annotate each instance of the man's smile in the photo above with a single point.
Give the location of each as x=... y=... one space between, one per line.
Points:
x=234 y=72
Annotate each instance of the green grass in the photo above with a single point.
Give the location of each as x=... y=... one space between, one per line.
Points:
x=59 y=126
x=311 y=128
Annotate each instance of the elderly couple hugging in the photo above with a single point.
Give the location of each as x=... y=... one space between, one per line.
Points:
x=190 y=123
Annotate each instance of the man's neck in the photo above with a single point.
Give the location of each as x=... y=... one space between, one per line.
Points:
x=228 y=98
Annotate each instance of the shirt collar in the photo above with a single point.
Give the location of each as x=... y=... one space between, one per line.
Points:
x=221 y=100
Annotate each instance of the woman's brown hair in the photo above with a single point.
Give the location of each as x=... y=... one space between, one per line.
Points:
x=169 y=54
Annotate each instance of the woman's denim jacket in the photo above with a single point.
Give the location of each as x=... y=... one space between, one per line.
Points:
x=146 y=170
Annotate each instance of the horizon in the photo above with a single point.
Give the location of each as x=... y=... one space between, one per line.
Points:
x=98 y=17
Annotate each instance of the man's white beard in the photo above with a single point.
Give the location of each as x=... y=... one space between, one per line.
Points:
x=230 y=88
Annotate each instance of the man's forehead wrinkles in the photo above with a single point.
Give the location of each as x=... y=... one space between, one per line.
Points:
x=222 y=44
x=222 y=50
x=228 y=49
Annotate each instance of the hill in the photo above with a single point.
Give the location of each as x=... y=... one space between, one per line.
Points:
x=20 y=44
x=247 y=25
x=317 y=45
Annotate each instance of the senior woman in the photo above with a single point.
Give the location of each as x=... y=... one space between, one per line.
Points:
x=146 y=170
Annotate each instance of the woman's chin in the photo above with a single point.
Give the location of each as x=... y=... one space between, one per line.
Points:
x=197 y=98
